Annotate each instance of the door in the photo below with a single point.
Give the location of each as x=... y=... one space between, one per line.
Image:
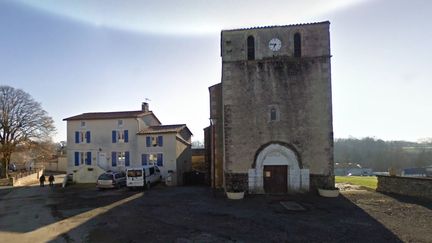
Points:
x=102 y=161
x=275 y=178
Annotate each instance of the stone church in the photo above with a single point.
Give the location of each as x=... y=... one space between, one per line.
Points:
x=271 y=116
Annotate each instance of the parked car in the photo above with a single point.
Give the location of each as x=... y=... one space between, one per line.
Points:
x=142 y=177
x=111 y=179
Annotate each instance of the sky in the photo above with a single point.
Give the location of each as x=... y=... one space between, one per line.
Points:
x=96 y=56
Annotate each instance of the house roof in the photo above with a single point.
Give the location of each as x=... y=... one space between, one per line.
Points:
x=110 y=115
x=164 y=129
x=277 y=26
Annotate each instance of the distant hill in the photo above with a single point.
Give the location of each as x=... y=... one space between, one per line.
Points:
x=381 y=155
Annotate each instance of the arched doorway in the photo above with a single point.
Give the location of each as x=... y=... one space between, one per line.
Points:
x=279 y=169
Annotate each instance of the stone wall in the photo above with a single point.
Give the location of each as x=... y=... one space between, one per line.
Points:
x=277 y=97
x=321 y=181
x=298 y=88
x=6 y=182
x=28 y=178
x=236 y=182
x=408 y=186
x=216 y=135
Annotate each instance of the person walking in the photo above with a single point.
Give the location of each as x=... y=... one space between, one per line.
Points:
x=51 y=180
x=42 y=180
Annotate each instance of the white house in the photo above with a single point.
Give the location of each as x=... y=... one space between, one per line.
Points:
x=102 y=141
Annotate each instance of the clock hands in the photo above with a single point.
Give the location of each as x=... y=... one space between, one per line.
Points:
x=274 y=44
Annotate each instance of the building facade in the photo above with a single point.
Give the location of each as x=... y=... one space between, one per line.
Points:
x=271 y=116
x=102 y=141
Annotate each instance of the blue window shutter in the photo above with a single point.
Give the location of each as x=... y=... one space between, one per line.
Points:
x=76 y=158
x=113 y=158
x=159 y=159
x=126 y=136
x=88 y=136
x=77 y=137
x=160 y=141
x=144 y=159
x=89 y=158
x=114 y=136
x=148 y=141
x=127 y=163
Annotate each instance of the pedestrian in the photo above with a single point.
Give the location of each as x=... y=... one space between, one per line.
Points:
x=51 y=180
x=42 y=180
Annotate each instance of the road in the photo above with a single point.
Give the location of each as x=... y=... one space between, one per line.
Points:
x=81 y=213
x=24 y=209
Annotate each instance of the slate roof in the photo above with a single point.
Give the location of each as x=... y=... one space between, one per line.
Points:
x=164 y=129
x=109 y=115
x=276 y=26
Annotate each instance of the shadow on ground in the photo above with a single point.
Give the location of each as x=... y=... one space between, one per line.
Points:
x=411 y=200
x=30 y=208
x=189 y=214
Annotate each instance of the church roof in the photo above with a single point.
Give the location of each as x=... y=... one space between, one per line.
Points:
x=278 y=26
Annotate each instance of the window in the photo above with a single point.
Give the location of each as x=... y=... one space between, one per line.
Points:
x=250 y=48
x=82 y=158
x=83 y=123
x=273 y=113
x=120 y=123
x=82 y=137
x=152 y=159
x=154 y=141
x=120 y=159
x=120 y=136
x=297 y=45
x=134 y=173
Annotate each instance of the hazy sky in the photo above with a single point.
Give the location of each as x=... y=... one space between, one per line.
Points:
x=86 y=56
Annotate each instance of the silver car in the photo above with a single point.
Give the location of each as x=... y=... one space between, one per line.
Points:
x=111 y=179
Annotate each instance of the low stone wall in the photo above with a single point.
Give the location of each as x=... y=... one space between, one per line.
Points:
x=28 y=179
x=409 y=186
x=6 y=182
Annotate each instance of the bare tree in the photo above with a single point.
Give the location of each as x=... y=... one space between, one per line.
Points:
x=22 y=119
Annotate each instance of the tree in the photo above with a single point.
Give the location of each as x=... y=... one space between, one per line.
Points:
x=22 y=120
x=197 y=144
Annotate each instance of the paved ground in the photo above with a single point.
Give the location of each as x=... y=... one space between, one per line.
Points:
x=81 y=213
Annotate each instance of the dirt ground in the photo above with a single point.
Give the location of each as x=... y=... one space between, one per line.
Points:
x=81 y=213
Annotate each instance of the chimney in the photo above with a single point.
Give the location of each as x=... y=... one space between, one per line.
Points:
x=145 y=107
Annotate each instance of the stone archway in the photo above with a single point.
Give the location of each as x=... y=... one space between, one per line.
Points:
x=277 y=170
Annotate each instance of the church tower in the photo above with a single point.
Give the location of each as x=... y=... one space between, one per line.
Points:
x=276 y=108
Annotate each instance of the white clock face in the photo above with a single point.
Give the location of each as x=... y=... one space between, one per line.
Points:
x=275 y=44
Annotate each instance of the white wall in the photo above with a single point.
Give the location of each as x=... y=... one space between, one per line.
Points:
x=101 y=139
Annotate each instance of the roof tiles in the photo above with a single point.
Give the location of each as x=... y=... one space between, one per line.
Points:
x=108 y=115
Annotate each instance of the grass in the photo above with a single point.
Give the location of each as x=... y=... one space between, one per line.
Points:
x=365 y=181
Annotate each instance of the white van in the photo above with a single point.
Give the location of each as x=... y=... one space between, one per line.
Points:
x=142 y=177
